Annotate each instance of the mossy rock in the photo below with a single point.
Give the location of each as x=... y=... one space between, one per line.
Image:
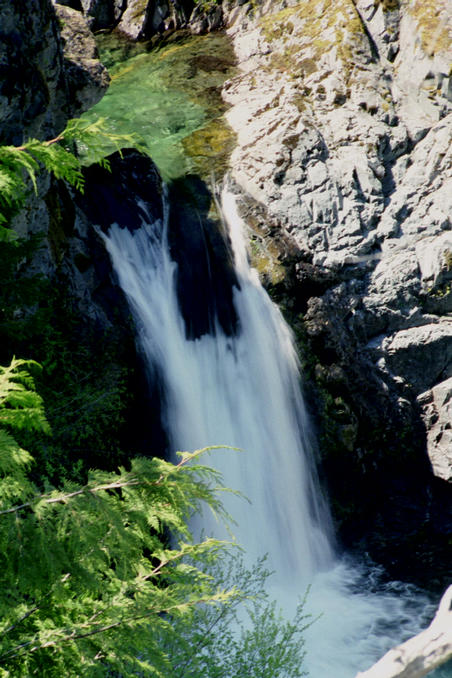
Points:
x=434 y=31
x=301 y=34
x=210 y=147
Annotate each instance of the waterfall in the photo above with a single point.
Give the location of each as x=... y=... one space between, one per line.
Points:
x=243 y=391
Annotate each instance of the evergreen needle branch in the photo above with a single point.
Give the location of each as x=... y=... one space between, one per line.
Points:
x=177 y=555
x=63 y=156
x=37 y=607
x=64 y=498
x=47 y=143
x=76 y=634
x=24 y=617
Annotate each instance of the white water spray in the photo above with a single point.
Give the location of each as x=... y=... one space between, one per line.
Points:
x=243 y=391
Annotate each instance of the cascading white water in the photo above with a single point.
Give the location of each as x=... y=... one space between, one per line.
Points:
x=243 y=391
x=237 y=391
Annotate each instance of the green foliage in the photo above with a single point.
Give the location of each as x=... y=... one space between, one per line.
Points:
x=89 y=139
x=86 y=576
x=84 y=571
x=20 y=292
x=87 y=386
x=89 y=585
x=247 y=637
x=20 y=406
x=82 y=142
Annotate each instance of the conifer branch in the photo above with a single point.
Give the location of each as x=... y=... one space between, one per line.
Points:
x=75 y=635
x=47 y=143
x=64 y=498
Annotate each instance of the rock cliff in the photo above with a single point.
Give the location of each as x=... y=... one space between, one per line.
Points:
x=343 y=113
x=49 y=70
x=142 y=19
x=50 y=73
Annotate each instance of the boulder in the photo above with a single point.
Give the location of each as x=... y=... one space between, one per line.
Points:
x=421 y=355
x=144 y=18
x=436 y=405
x=87 y=79
x=102 y=14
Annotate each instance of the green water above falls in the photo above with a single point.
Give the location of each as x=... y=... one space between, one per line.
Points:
x=170 y=97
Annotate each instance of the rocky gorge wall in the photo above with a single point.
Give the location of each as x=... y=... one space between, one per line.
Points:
x=51 y=72
x=343 y=113
x=343 y=117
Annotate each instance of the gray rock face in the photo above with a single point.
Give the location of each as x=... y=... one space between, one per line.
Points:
x=141 y=19
x=41 y=85
x=436 y=407
x=422 y=354
x=61 y=78
x=205 y=20
x=33 y=99
x=144 y=18
x=137 y=19
x=86 y=77
x=344 y=127
x=99 y=14
x=344 y=123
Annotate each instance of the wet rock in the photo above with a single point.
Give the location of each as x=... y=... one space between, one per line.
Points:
x=126 y=194
x=99 y=14
x=195 y=234
x=204 y=20
x=142 y=18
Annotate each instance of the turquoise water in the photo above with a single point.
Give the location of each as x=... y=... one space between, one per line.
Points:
x=165 y=96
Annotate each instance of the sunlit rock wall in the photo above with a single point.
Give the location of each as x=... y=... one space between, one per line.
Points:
x=343 y=113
